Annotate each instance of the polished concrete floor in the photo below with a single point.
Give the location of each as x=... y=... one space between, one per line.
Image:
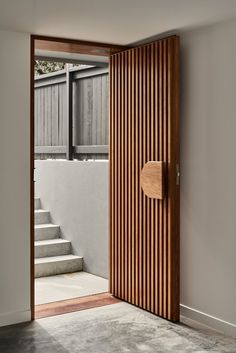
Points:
x=68 y=286
x=114 y=328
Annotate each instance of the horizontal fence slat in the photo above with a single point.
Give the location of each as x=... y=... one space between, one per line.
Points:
x=86 y=149
x=91 y=149
x=50 y=149
x=89 y=73
x=50 y=81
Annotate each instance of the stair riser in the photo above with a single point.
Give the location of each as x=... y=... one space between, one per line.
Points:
x=47 y=233
x=37 y=204
x=41 y=217
x=59 y=267
x=52 y=250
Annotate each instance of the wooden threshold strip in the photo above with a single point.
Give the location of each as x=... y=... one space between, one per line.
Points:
x=75 y=304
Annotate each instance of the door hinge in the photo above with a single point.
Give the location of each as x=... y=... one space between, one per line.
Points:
x=177 y=174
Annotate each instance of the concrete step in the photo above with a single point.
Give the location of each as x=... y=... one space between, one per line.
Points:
x=52 y=247
x=49 y=266
x=37 y=203
x=41 y=216
x=46 y=231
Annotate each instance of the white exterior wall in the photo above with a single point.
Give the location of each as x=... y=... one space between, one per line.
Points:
x=76 y=193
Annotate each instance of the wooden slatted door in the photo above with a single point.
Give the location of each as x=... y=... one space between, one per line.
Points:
x=144 y=126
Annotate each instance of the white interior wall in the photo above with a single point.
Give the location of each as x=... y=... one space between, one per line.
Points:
x=208 y=174
x=14 y=177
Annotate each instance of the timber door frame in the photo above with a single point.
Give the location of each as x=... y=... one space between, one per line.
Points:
x=63 y=45
x=83 y=47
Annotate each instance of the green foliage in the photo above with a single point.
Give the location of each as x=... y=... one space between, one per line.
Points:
x=45 y=67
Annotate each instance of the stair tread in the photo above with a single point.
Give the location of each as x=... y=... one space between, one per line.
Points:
x=40 y=210
x=51 y=241
x=46 y=225
x=56 y=258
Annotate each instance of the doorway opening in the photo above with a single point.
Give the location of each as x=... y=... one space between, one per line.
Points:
x=69 y=110
x=143 y=169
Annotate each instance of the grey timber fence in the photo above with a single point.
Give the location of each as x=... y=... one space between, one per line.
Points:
x=71 y=114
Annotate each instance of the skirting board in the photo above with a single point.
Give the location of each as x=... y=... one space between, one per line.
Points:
x=208 y=320
x=11 y=318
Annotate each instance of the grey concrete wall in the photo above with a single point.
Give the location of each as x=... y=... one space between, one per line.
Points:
x=76 y=193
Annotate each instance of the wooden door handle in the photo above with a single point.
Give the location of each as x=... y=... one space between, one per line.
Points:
x=152 y=179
